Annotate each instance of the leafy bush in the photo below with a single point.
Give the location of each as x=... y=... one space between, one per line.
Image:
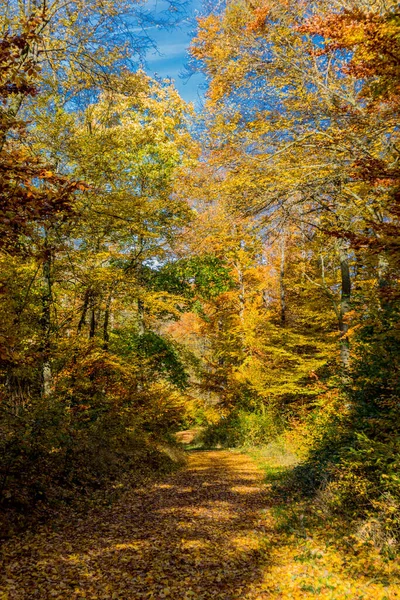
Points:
x=244 y=428
x=353 y=466
x=100 y=423
x=50 y=456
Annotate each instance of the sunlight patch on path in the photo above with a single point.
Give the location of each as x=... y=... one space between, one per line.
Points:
x=204 y=533
x=194 y=535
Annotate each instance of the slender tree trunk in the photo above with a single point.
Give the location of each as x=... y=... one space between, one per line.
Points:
x=241 y=292
x=282 y=289
x=92 y=333
x=383 y=269
x=383 y=278
x=46 y=321
x=345 y=305
x=85 y=307
x=141 y=383
x=140 y=317
x=92 y=328
x=106 y=333
x=220 y=327
x=266 y=299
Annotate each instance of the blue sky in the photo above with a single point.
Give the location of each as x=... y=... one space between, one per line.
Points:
x=169 y=59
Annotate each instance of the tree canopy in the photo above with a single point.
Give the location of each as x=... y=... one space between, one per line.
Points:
x=235 y=268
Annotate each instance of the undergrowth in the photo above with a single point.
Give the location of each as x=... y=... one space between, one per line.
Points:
x=331 y=550
x=52 y=462
x=243 y=428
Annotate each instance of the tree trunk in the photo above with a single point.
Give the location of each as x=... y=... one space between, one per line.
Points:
x=85 y=307
x=345 y=305
x=241 y=292
x=383 y=281
x=282 y=289
x=92 y=329
x=140 y=317
x=46 y=321
x=106 y=333
x=383 y=270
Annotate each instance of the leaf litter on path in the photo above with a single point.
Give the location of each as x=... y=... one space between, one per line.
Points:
x=203 y=533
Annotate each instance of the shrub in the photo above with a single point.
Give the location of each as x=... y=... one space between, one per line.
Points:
x=244 y=428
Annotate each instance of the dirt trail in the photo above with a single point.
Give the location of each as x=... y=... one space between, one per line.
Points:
x=196 y=535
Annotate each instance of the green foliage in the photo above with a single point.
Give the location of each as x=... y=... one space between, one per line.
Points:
x=203 y=277
x=353 y=463
x=158 y=355
x=244 y=428
x=209 y=276
x=164 y=357
x=367 y=479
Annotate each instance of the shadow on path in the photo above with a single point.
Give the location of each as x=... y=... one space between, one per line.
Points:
x=196 y=535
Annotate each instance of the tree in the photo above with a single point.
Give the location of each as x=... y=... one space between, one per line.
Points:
x=262 y=344
x=87 y=377
x=80 y=44
x=31 y=193
x=306 y=148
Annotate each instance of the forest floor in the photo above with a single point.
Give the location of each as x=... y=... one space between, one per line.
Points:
x=209 y=531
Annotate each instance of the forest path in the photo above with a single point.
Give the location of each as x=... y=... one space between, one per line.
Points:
x=196 y=535
x=207 y=532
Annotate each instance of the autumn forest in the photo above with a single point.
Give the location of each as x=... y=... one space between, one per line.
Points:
x=199 y=333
